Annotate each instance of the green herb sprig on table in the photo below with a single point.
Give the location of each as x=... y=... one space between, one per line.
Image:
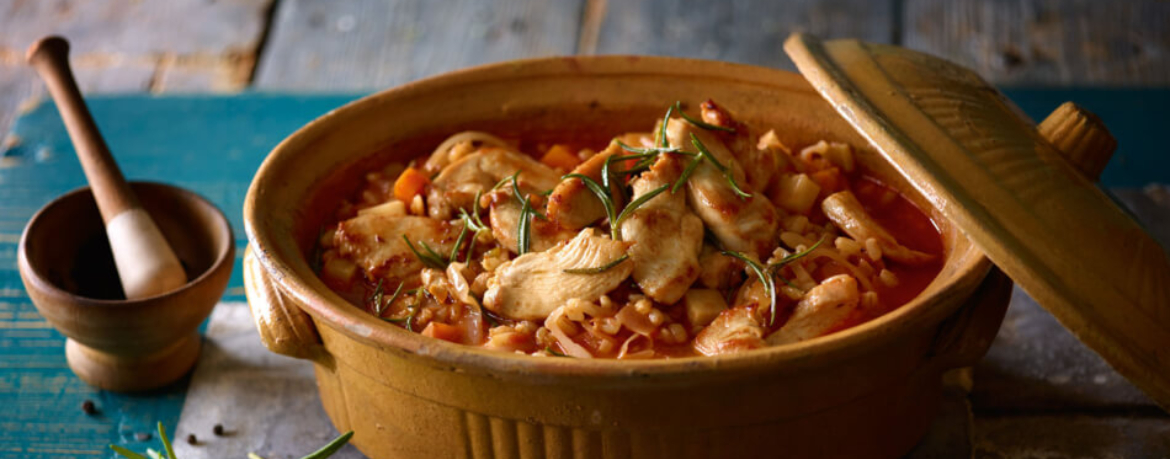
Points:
x=169 y=449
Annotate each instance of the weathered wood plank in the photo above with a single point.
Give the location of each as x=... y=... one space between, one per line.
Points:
x=746 y=31
x=133 y=46
x=367 y=44
x=1047 y=42
x=1035 y=364
x=1068 y=437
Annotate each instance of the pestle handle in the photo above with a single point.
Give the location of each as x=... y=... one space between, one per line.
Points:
x=146 y=264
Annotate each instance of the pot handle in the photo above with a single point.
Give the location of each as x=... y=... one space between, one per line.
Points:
x=284 y=328
x=964 y=338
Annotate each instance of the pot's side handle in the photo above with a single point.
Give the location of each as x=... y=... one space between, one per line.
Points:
x=964 y=338
x=284 y=328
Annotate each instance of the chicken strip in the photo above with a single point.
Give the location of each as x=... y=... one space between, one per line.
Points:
x=667 y=236
x=374 y=241
x=504 y=218
x=734 y=330
x=457 y=184
x=531 y=286
x=740 y=224
x=759 y=165
x=846 y=212
x=822 y=310
x=571 y=204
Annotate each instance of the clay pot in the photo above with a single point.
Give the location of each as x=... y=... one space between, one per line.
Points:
x=870 y=391
x=118 y=344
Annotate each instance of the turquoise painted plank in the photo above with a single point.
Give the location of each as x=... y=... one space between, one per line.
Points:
x=213 y=145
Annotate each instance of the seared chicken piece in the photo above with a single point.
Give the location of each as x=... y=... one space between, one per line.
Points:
x=735 y=330
x=534 y=284
x=740 y=224
x=456 y=185
x=374 y=242
x=667 y=236
x=716 y=270
x=846 y=212
x=822 y=310
x=758 y=164
x=504 y=218
x=571 y=204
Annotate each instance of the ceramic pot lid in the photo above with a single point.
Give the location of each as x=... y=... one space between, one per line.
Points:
x=983 y=164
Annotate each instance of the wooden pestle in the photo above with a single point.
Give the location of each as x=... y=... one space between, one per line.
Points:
x=146 y=264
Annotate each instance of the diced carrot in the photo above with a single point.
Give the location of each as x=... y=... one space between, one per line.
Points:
x=444 y=332
x=830 y=180
x=411 y=183
x=560 y=157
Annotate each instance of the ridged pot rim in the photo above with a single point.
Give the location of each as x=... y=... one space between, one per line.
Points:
x=329 y=308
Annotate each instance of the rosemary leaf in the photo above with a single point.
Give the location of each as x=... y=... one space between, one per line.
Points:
x=523 y=199
x=616 y=224
x=554 y=352
x=331 y=447
x=686 y=174
x=162 y=435
x=523 y=230
x=458 y=243
x=154 y=454
x=376 y=298
x=126 y=453
x=470 y=249
x=432 y=260
x=774 y=268
x=661 y=140
x=599 y=269
x=598 y=190
x=701 y=123
x=393 y=297
x=512 y=178
x=704 y=153
x=765 y=277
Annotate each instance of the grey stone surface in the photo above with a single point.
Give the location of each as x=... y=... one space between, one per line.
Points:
x=267 y=403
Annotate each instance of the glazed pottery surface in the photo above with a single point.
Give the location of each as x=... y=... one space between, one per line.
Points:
x=869 y=391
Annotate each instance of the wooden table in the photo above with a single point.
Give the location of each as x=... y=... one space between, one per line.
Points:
x=1039 y=392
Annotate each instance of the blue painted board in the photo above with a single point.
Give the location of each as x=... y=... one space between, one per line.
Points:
x=213 y=145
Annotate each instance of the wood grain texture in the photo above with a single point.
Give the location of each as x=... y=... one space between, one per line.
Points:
x=1036 y=365
x=745 y=31
x=373 y=44
x=1047 y=42
x=1069 y=437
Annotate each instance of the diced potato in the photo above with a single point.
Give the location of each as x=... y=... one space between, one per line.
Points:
x=703 y=305
x=338 y=269
x=390 y=208
x=795 y=193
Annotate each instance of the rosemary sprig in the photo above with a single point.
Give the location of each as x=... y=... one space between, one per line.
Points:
x=616 y=224
x=598 y=269
x=162 y=436
x=126 y=453
x=458 y=243
x=430 y=259
x=661 y=140
x=377 y=297
x=330 y=447
x=765 y=277
x=775 y=268
x=699 y=122
x=524 y=228
x=706 y=154
x=602 y=193
x=686 y=174
x=505 y=181
x=521 y=198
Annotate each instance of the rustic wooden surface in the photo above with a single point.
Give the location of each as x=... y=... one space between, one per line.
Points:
x=1039 y=393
